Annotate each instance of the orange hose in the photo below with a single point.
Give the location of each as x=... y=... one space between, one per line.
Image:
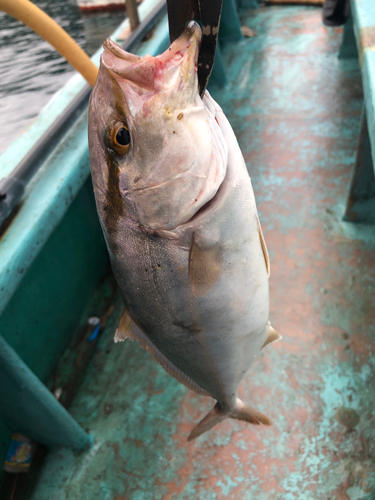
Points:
x=49 y=30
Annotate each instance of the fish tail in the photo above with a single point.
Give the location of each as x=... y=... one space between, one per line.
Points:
x=248 y=414
x=212 y=418
x=241 y=412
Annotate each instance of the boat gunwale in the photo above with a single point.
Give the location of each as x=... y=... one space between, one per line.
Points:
x=59 y=178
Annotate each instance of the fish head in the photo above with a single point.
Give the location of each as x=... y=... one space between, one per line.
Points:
x=154 y=145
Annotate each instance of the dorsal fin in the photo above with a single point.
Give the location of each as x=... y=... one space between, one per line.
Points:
x=264 y=248
x=272 y=336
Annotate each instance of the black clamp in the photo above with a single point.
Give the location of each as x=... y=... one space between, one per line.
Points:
x=207 y=13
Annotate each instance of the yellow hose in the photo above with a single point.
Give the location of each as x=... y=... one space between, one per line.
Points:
x=47 y=28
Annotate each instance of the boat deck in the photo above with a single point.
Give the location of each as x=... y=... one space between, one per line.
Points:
x=295 y=108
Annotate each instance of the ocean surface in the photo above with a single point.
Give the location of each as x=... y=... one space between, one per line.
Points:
x=31 y=71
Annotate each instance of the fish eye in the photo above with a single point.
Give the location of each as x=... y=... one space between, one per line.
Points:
x=123 y=136
x=119 y=138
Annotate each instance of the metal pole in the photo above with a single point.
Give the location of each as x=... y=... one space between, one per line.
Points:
x=132 y=10
x=30 y=408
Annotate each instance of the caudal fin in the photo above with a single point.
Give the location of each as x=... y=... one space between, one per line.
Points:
x=212 y=418
x=244 y=412
x=240 y=412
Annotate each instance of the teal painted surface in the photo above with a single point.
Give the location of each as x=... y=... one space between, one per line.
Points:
x=348 y=47
x=30 y=408
x=296 y=112
x=363 y=12
x=230 y=27
x=46 y=201
x=5 y=438
x=368 y=77
x=218 y=78
x=53 y=189
x=46 y=310
x=361 y=200
x=248 y=4
x=53 y=253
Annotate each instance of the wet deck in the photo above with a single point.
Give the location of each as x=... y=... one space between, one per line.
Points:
x=296 y=110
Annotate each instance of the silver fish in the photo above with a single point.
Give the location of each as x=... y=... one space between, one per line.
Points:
x=179 y=216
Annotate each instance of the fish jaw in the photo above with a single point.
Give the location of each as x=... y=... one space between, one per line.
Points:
x=173 y=73
x=177 y=156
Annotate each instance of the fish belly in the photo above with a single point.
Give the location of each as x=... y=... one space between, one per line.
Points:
x=213 y=338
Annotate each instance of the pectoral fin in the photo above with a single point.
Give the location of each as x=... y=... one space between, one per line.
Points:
x=205 y=267
x=272 y=336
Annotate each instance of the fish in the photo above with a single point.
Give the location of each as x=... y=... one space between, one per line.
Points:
x=178 y=212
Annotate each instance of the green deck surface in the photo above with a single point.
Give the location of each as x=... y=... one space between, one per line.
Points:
x=295 y=108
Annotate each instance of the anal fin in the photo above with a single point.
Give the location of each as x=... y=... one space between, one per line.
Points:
x=127 y=329
x=124 y=327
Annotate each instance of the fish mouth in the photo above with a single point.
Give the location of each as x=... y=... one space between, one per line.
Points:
x=189 y=41
x=149 y=72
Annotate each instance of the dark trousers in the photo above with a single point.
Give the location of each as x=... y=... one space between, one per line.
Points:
x=335 y=12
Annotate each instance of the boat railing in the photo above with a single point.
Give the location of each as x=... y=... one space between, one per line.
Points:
x=12 y=186
x=52 y=160
x=359 y=31
x=53 y=153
